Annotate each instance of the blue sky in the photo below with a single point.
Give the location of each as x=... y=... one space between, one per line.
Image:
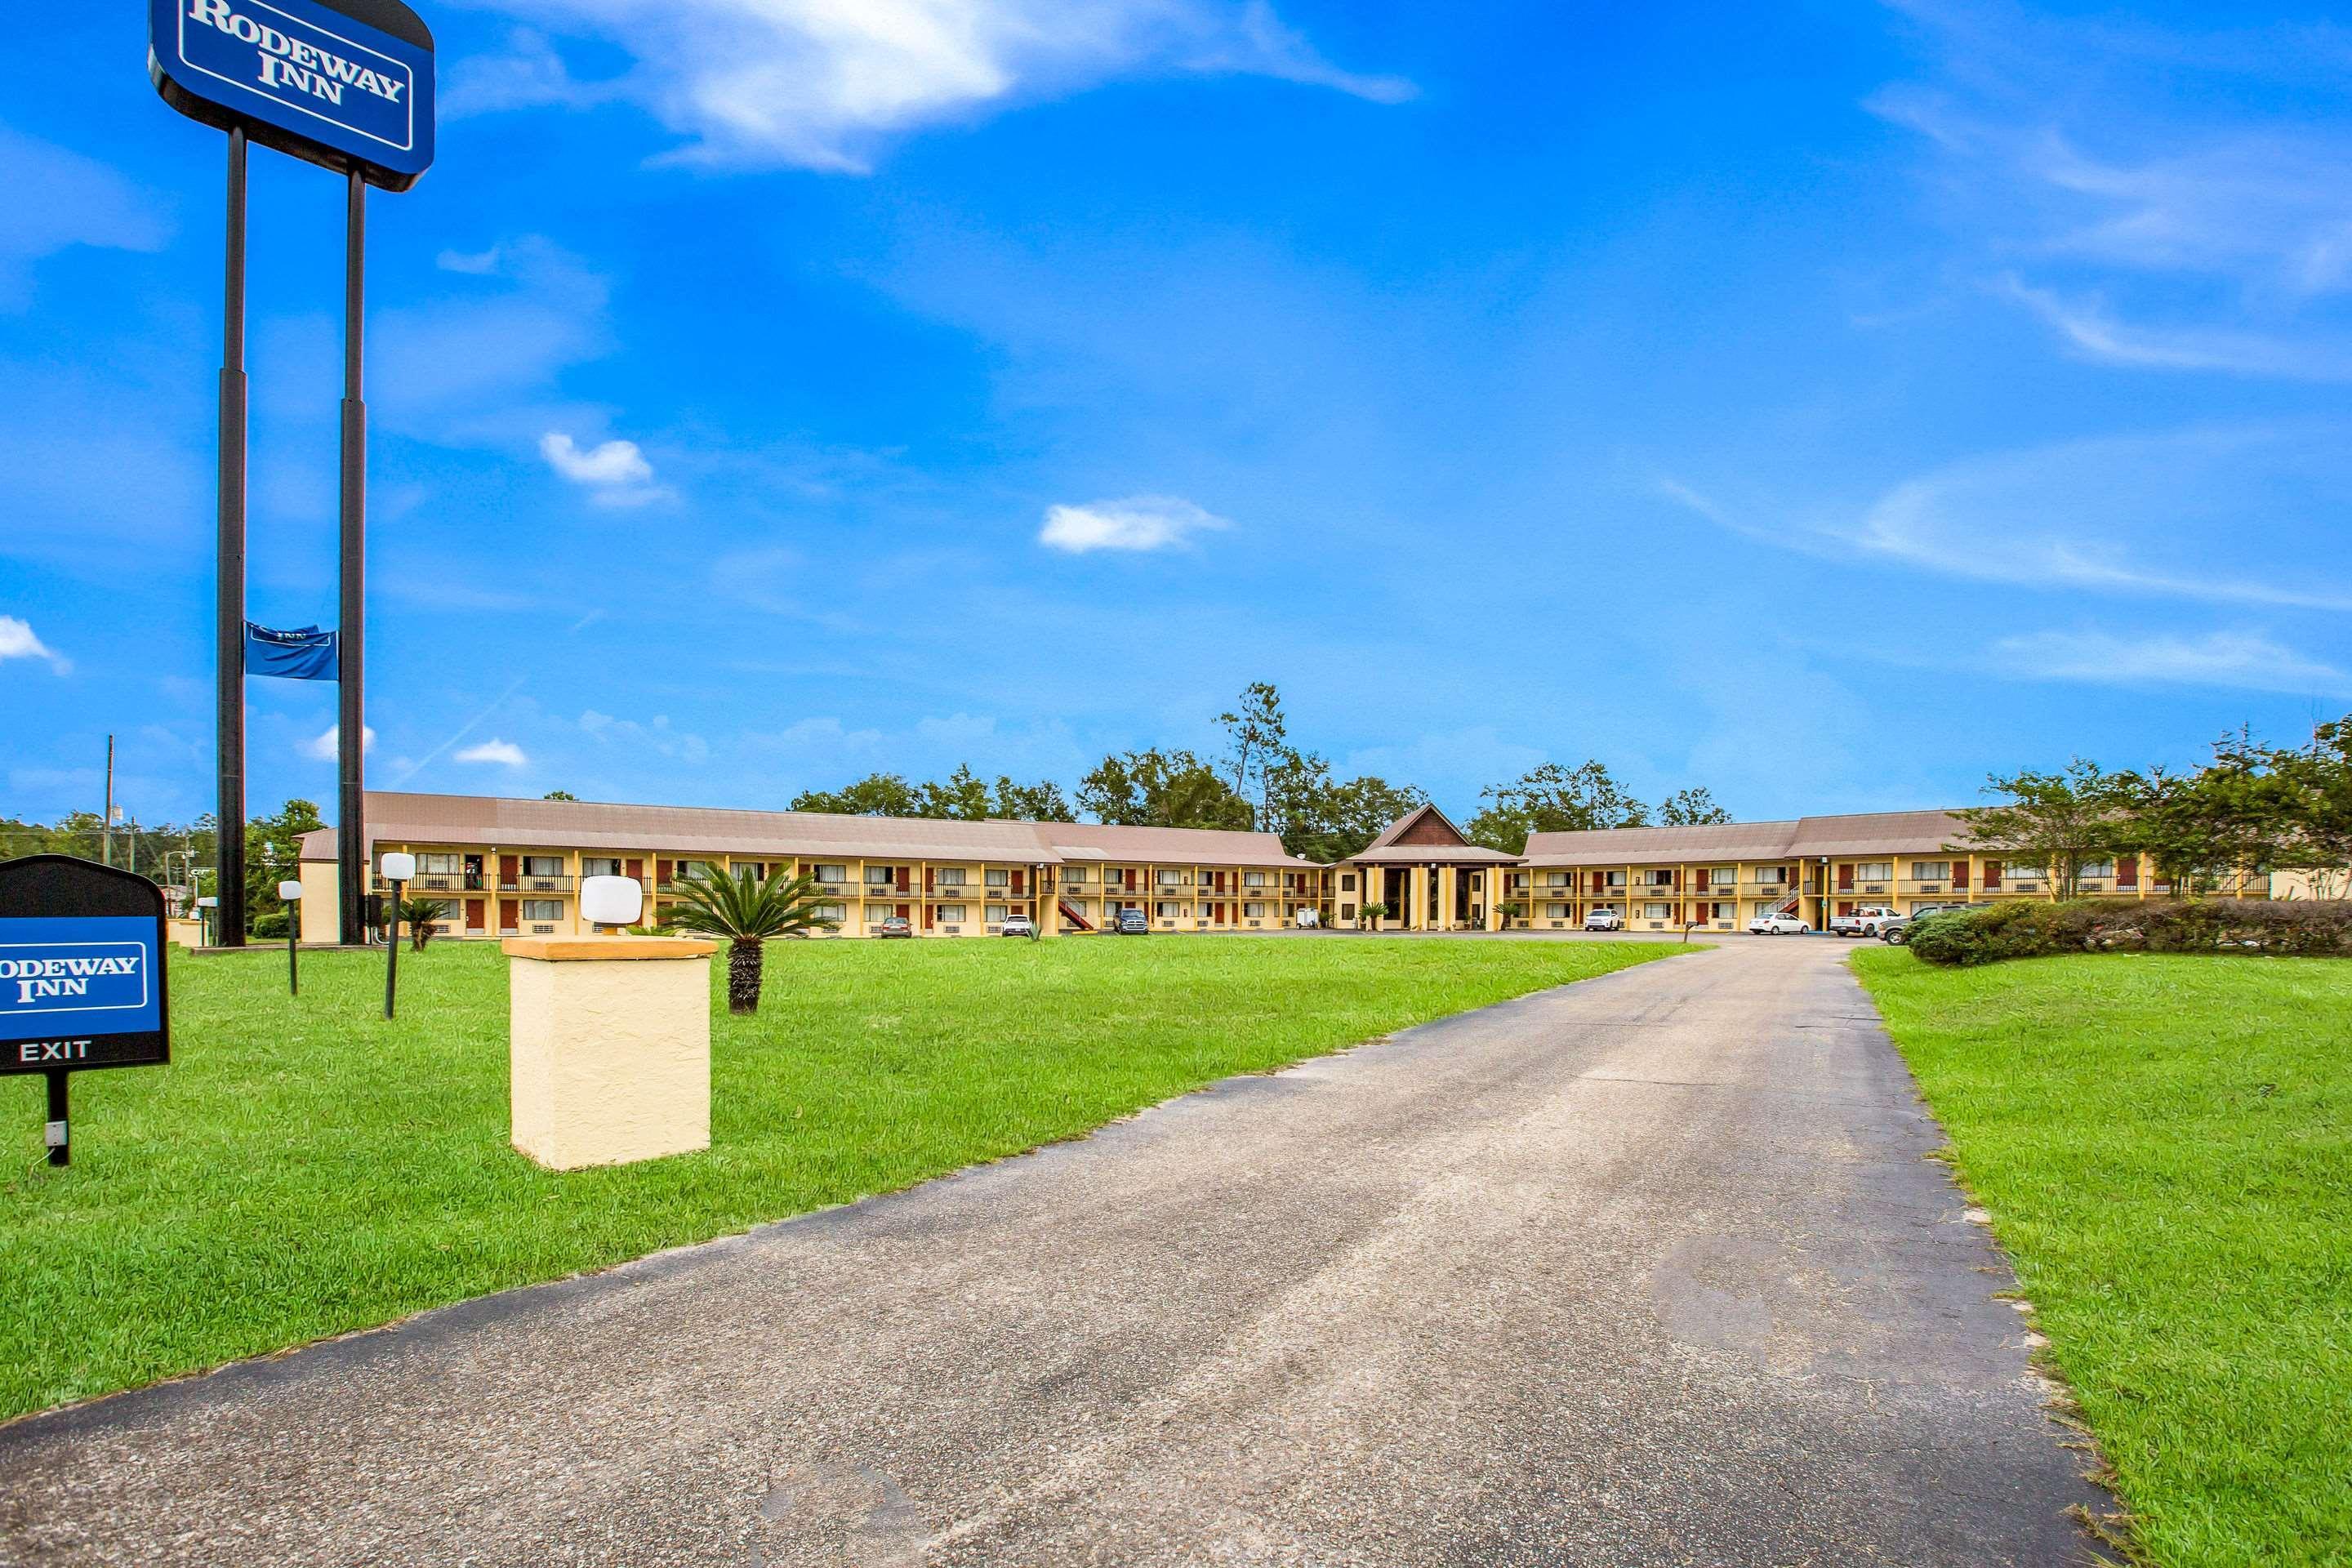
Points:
x=1825 y=402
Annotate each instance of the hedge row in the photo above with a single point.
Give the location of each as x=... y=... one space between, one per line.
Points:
x=2258 y=928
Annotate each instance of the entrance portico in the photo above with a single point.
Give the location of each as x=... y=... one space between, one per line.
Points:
x=1423 y=875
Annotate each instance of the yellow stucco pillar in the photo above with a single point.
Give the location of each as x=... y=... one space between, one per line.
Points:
x=1493 y=889
x=609 y=1047
x=1447 y=885
x=1416 y=914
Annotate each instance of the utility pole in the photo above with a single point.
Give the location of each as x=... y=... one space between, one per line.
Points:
x=106 y=824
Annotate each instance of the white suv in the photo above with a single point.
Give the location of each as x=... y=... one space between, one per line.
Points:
x=1604 y=919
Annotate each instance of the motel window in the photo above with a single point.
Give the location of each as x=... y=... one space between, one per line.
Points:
x=1657 y=911
x=1613 y=879
x=1167 y=911
x=1725 y=876
x=1931 y=870
x=994 y=914
x=1659 y=878
x=1346 y=911
x=950 y=914
x=1560 y=878
x=440 y=865
x=542 y=865
x=1555 y=911
x=1874 y=870
x=1348 y=881
x=543 y=908
x=951 y=876
x=1253 y=878
x=1168 y=879
x=832 y=874
x=837 y=913
x=693 y=871
x=1252 y=911
x=2096 y=870
x=599 y=866
x=878 y=876
x=998 y=879
x=1074 y=876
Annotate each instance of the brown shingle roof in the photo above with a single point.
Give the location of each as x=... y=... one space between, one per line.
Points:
x=1866 y=833
x=690 y=832
x=1446 y=843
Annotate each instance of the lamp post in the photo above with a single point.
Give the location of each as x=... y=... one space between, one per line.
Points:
x=397 y=869
x=290 y=895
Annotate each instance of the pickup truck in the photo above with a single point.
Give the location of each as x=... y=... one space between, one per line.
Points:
x=1867 y=921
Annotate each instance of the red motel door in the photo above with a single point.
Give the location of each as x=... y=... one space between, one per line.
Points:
x=474 y=914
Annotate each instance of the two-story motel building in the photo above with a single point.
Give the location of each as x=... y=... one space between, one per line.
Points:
x=1718 y=876
x=512 y=867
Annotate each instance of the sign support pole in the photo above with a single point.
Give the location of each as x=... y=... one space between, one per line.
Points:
x=230 y=653
x=55 y=1134
x=392 y=955
x=350 y=730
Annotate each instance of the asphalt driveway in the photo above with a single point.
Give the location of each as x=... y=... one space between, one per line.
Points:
x=1648 y=1270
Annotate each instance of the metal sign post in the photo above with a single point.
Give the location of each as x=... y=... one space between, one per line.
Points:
x=347 y=85
x=82 y=977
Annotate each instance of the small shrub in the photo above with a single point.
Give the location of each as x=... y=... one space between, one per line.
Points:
x=273 y=925
x=2249 y=928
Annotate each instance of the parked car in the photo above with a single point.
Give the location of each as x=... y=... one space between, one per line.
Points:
x=1019 y=925
x=895 y=925
x=1604 y=919
x=1867 y=921
x=1780 y=923
x=1133 y=922
x=1898 y=932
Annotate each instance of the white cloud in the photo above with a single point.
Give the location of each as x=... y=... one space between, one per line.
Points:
x=321 y=747
x=17 y=641
x=2090 y=329
x=659 y=737
x=2224 y=515
x=614 y=472
x=2239 y=660
x=825 y=84
x=1137 y=522
x=57 y=199
x=477 y=366
x=506 y=753
x=2174 y=200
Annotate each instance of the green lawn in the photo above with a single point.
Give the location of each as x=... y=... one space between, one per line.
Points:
x=2165 y=1144
x=303 y=1168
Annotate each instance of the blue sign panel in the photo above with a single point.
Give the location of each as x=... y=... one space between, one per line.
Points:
x=82 y=983
x=304 y=75
x=304 y=655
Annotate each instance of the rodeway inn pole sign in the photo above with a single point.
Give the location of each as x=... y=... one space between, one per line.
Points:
x=347 y=85
x=333 y=84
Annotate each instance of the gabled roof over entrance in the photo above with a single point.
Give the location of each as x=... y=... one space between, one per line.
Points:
x=1427 y=836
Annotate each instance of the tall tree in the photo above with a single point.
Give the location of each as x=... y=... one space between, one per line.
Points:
x=1691 y=808
x=961 y=798
x=1041 y=802
x=273 y=853
x=2055 y=823
x=875 y=794
x=1323 y=819
x=1258 y=742
x=1162 y=789
x=559 y=794
x=1554 y=799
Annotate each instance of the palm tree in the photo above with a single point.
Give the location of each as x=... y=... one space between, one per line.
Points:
x=747 y=909
x=422 y=916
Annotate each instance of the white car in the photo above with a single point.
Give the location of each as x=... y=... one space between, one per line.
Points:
x=1018 y=925
x=1780 y=924
x=1604 y=919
